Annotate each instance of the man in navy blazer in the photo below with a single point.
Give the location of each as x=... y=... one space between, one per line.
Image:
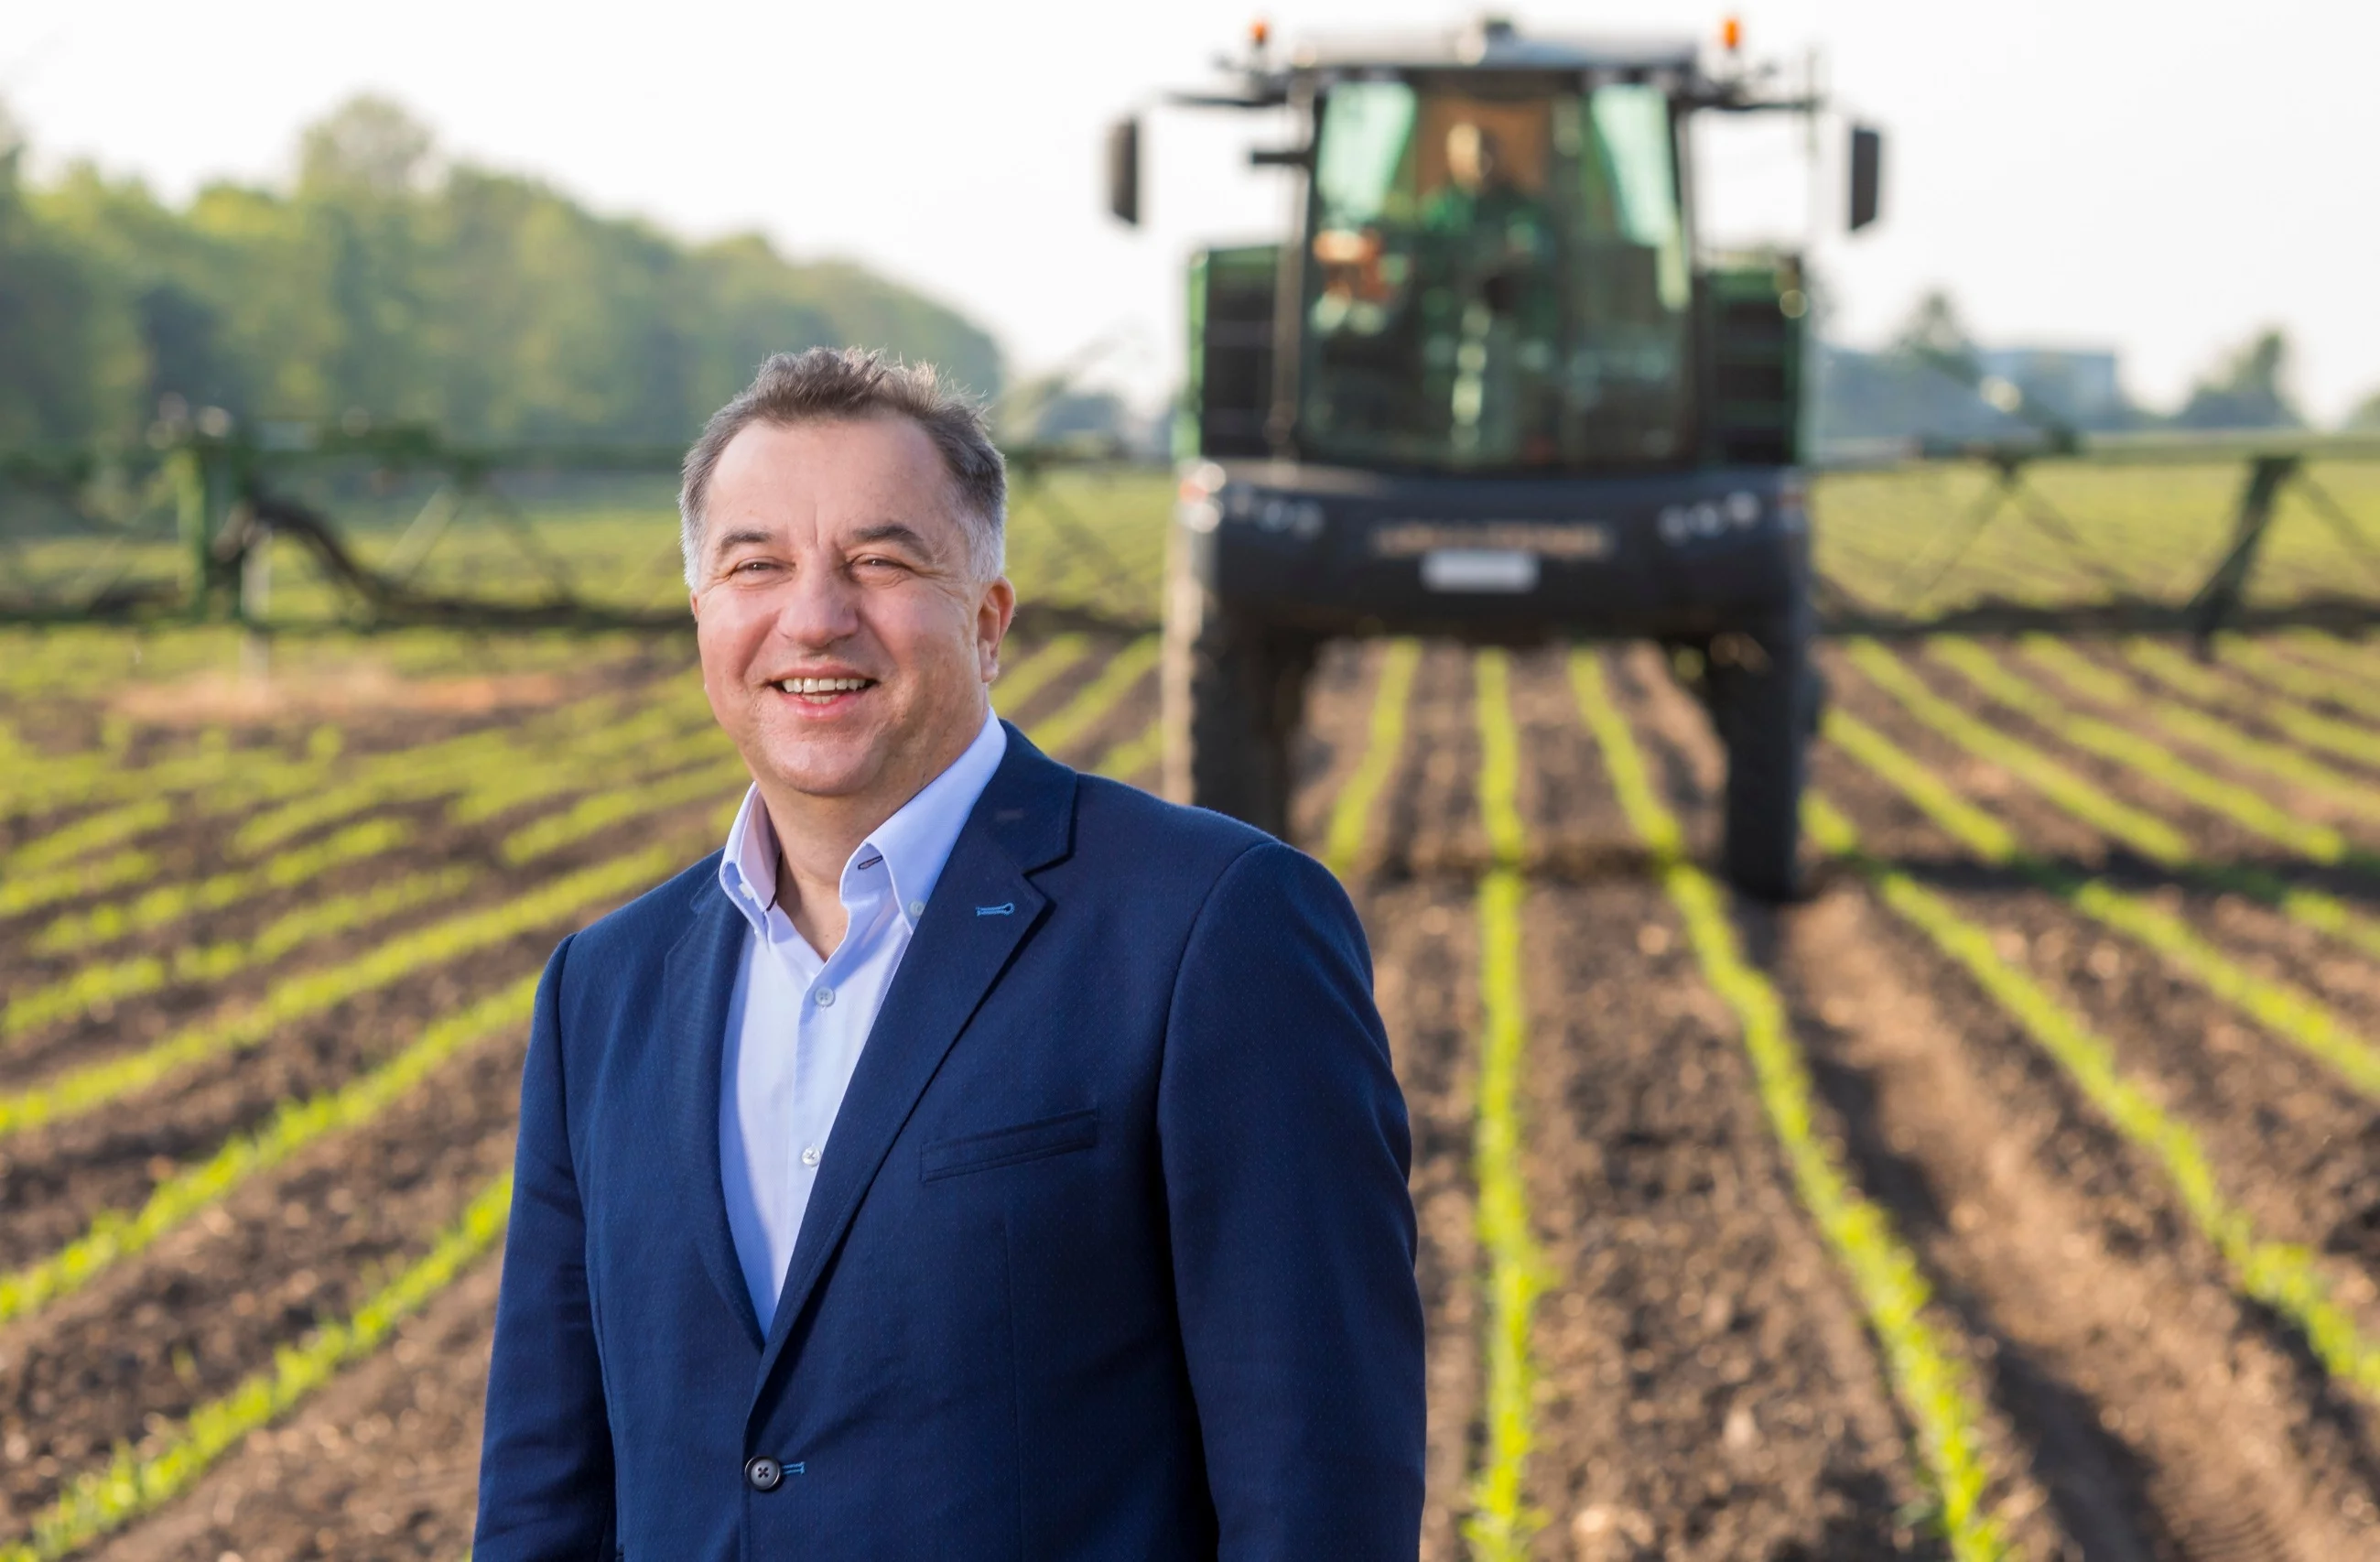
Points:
x=1069 y=1222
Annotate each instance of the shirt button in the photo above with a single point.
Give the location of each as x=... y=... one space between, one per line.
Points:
x=916 y=910
x=765 y=1473
x=810 y=1156
x=824 y=997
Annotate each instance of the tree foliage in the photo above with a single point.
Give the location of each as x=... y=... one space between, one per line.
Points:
x=387 y=282
x=2249 y=389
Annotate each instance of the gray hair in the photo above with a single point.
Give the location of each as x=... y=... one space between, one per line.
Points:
x=834 y=384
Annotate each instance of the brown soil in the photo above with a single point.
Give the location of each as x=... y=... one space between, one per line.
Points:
x=383 y=1464
x=1426 y=958
x=2166 y=1416
x=1705 y=1387
x=189 y=1319
x=207 y=699
x=1708 y=1389
x=1337 y=730
x=56 y=1179
x=2301 y=1148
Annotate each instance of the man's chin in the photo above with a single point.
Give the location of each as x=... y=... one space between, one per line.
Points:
x=822 y=763
x=822 y=777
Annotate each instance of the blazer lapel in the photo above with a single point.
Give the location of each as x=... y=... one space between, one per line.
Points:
x=1023 y=820
x=698 y=985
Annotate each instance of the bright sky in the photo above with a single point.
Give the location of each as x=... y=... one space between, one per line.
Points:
x=2162 y=178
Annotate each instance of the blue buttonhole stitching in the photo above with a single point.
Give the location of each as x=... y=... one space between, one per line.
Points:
x=793 y=1469
x=1007 y=909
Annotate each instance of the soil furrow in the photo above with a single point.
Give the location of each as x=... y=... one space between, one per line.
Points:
x=55 y=1180
x=2156 y=1404
x=2161 y=1411
x=1774 y=1383
x=2266 y=936
x=2299 y=1150
x=209 y=1304
x=1330 y=742
x=1426 y=963
x=2216 y=836
x=383 y=1463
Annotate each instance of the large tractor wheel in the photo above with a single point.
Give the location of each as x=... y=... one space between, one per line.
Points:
x=1763 y=696
x=1233 y=694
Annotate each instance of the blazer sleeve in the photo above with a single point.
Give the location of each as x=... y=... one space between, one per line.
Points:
x=545 y=1460
x=1286 y=1154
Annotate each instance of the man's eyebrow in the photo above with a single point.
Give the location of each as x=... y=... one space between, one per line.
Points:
x=894 y=531
x=740 y=537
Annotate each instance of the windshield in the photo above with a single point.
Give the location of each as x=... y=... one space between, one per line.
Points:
x=1496 y=281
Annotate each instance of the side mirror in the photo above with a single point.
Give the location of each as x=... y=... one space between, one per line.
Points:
x=1123 y=171
x=1868 y=174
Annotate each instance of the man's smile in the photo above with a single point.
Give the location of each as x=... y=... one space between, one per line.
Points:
x=823 y=690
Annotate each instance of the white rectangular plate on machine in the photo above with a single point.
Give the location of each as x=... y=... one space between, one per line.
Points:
x=1479 y=570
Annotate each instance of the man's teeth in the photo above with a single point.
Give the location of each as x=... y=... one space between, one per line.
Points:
x=821 y=686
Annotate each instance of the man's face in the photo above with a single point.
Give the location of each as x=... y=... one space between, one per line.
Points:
x=846 y=641
x=1470 y=156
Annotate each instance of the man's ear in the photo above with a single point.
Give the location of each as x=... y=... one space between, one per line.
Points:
x=994 y=610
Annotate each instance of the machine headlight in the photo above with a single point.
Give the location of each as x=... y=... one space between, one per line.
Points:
x=1680 y=524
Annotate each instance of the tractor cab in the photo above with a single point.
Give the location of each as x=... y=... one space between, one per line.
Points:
x=1495 y=276
x=1488 y=388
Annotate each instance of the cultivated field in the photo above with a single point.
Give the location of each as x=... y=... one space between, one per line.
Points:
x=2018 y=1193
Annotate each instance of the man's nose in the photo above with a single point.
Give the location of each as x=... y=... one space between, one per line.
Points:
x=817 y=607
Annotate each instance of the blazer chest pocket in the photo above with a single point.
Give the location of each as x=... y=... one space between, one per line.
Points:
x=1008 y=1147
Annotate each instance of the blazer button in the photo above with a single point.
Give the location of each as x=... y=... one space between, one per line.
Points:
x=764 y=1473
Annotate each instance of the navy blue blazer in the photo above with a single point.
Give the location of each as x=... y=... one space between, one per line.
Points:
x=1111 y=1254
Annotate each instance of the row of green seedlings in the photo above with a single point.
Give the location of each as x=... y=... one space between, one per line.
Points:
x=116 y=1234
x=2248 y=698
x=318 y=788
x=136 y=1482
x=2312 y=842
x=499 y=770
x=2154 y=763
x=75 y=661
x=93 y=988
x=78 y=664
x=2282 y=1277
x=2171 y=722
x=2265 y=661
x=105 y=775
x=2282 y=1007
x=1926 y=1376
x=2348 y=671
x=2224 y=732
x=1501 y=1524
x=503 y=767
x=2156 y=760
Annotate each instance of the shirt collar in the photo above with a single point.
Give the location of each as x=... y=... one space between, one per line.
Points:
x=915 y=843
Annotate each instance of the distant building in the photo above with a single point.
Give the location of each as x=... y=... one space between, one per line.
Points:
x=2080 y=384
x=1863 y=399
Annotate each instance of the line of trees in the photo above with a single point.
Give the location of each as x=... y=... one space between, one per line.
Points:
x=388 y=283
x=1934 y=379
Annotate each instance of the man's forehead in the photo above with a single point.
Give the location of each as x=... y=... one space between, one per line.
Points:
x=825 y=468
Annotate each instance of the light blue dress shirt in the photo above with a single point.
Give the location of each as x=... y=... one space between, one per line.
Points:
x=798 y=1021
